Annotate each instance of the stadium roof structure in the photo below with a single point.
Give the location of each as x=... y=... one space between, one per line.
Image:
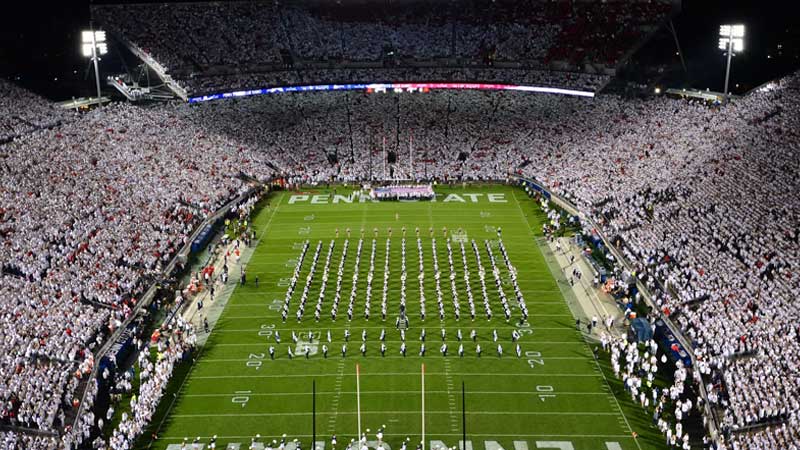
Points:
x=207 y=48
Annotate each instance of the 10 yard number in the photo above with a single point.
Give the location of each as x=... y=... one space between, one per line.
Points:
x=241 y=397
x=545 y=391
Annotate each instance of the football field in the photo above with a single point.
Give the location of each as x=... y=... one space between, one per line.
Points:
x=553 y=395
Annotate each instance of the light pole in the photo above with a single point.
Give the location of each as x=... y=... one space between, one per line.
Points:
x=731 y=39
x=93 y=44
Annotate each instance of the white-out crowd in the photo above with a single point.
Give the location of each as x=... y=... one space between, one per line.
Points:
x=154 y=376
x=24 y=111
x=89 y=212
x=195 y=43
x=703 y=200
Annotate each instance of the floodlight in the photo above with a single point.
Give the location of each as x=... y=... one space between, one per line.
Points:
x=93 y=44
x=99 y=36
x=738 y=44
x=731 y=39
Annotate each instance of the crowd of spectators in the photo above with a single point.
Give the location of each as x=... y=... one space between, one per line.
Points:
x=154 y=377
x=254 y=43
x=669 y=405
x=24 y=111
x=701 y=198
x=90 y=211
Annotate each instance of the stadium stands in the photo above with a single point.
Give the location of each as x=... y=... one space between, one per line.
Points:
x=217 y=46
x=703 y=200
x=24 y=112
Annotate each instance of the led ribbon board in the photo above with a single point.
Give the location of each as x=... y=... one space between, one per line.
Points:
x=387 y=87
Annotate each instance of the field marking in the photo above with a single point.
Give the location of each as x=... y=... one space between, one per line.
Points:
x=615 y=436
x=616 y=402
x=506 y=326
x=527 y=241
x=395 y=284
x=338 y=395
x=446 y=359
x=367 y=413
x=451 y=398
x=244 y=344
x=599 y=369
x=188 y=375
x=522 y=213
x=438 y=392
x=417 y=290
x=404 y=374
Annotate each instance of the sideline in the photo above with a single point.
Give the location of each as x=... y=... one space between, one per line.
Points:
x=202 y=338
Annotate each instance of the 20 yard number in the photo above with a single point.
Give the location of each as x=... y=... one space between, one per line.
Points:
x=534 y=359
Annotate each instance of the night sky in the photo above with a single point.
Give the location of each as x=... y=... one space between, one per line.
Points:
x=39 y=46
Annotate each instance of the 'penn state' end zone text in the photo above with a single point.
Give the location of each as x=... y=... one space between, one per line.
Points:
x=324 y=199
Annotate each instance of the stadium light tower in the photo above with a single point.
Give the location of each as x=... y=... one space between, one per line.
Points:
x=731 y=39
x=93 y=44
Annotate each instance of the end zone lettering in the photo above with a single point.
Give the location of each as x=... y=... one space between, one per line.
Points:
x=324 y=199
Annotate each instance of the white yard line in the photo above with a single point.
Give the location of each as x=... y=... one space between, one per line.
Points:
x=255 y=344
x=403 y=392
x=531 y=315
x=451 y=398
x=614 y=436
x=389 y=327
x=393 y=412
x=404 y=374
x=202 y=347
x=616 y=402
x=446 y=360
x=337 y=397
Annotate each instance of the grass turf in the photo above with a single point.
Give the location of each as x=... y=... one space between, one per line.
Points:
x=555 y=392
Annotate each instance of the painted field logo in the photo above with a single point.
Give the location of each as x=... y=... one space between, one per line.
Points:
x=325 y=199
x=458 y=236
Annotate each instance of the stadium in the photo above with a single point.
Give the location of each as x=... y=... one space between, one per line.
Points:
x=401 y=224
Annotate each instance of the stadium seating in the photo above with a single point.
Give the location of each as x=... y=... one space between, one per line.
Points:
x=24 y=112
x=220 y=45
x=703 y=200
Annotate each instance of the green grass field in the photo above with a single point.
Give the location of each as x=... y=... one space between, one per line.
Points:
x=554 y=396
